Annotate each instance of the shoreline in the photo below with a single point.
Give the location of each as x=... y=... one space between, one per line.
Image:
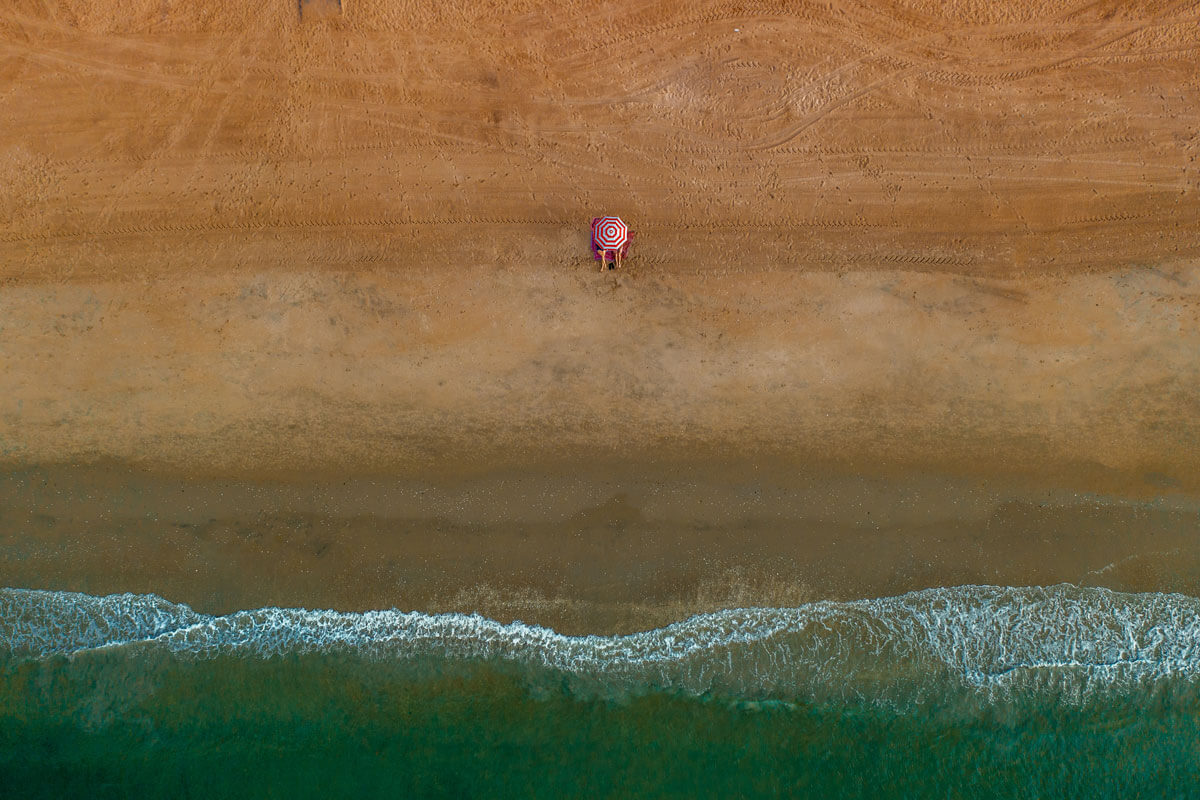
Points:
x=606 y=550
x=598 y=453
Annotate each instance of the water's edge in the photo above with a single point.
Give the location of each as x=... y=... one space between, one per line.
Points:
x=983 y=641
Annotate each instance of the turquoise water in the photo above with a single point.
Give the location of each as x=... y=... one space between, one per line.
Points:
x=970 y=691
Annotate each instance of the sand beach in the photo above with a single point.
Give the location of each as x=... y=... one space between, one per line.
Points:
x=333 y=464
x=296 y=305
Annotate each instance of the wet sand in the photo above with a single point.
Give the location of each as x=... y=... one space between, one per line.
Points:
x=600 y=548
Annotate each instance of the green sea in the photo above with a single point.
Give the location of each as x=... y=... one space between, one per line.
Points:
x=971 y=691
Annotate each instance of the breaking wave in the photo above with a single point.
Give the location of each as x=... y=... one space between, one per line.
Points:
x=983 y=640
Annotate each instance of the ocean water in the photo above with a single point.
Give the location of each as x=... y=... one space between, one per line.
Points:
x=983 y=691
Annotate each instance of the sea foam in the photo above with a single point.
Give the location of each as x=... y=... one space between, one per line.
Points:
x=986 y=640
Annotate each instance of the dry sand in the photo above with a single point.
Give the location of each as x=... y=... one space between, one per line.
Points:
x=272 y=249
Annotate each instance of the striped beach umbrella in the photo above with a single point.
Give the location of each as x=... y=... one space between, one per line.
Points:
x=609 y=233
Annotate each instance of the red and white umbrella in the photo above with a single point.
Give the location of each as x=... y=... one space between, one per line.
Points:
x=609 y=233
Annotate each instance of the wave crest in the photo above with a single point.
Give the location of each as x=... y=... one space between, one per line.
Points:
x=983 y=639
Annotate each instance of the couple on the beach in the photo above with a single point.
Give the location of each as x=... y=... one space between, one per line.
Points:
x=617 y=255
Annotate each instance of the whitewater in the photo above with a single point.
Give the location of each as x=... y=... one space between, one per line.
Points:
x=988 y=641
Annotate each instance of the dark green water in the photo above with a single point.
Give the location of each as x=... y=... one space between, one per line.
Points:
x=330 y=727
x=321 y=714
x=317 y=727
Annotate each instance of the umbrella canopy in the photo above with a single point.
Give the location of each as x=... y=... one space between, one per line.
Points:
x=609 y=233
